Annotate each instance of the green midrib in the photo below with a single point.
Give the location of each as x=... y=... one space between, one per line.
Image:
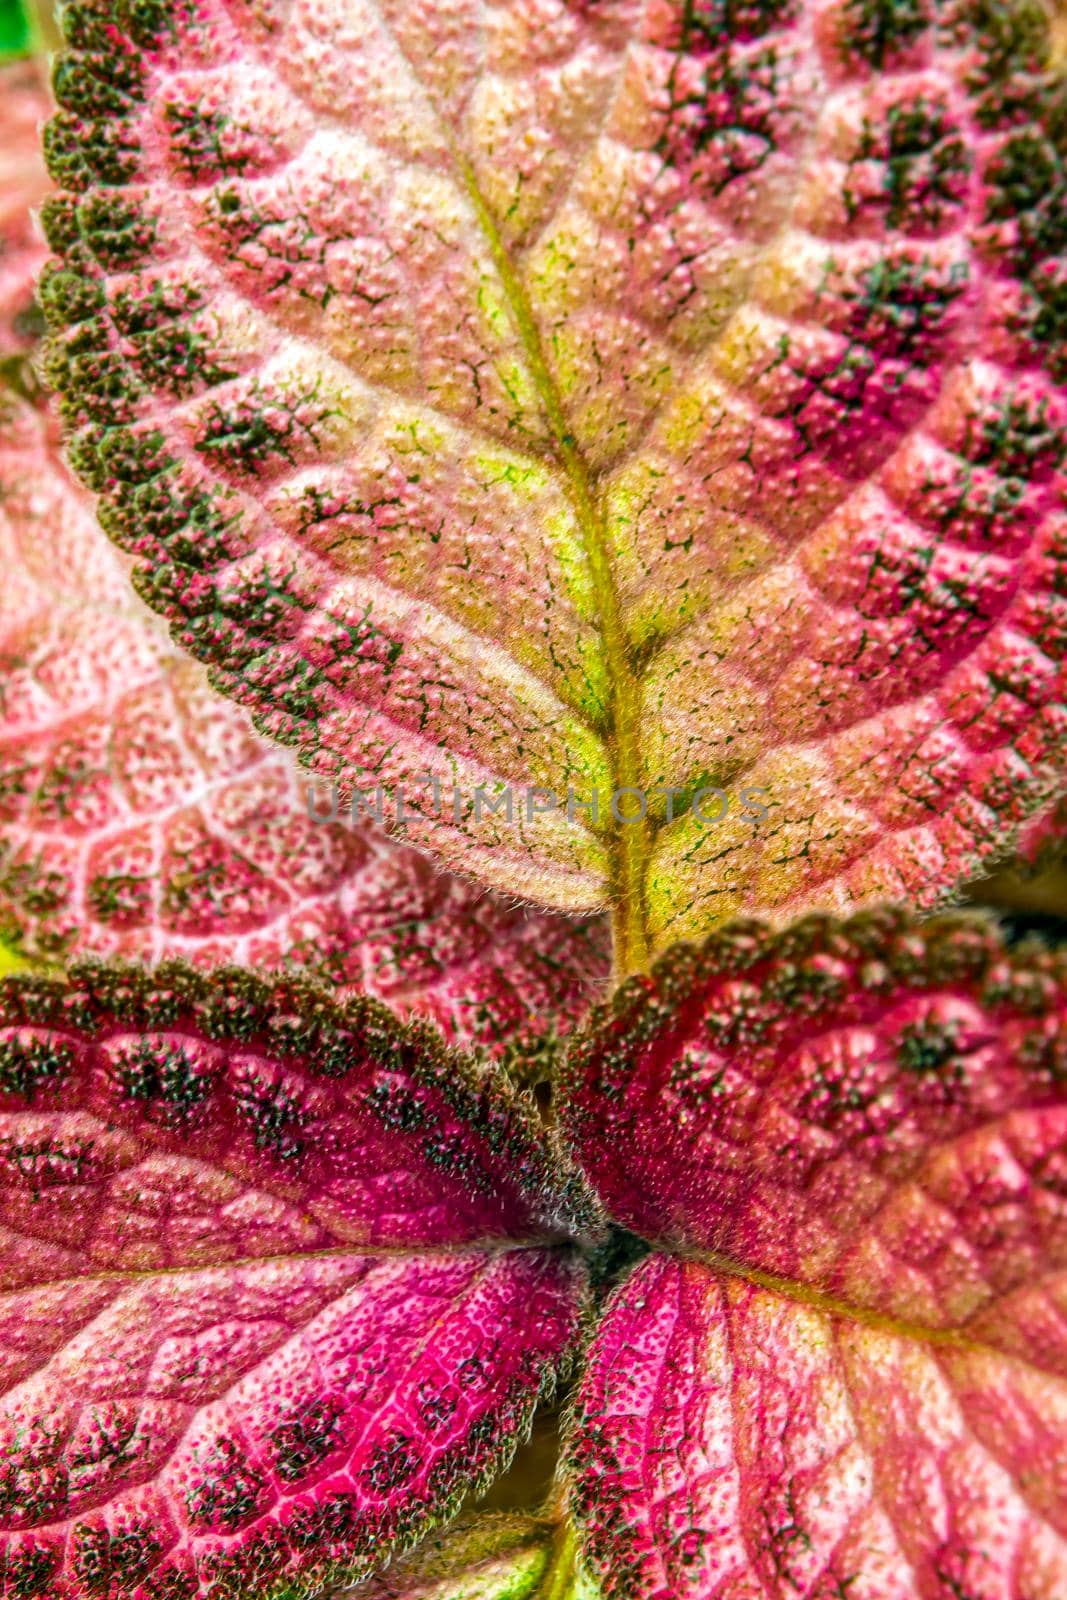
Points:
x=807 y=1295
x=558 y=1582
x=629 y=843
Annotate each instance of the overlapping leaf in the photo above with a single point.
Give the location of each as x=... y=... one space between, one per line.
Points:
x=24 y=105
x=593 y=396
x=141 y=815
x=831 y=1104
x=852 y=1376
x=274 y=1292
x=733 y=1443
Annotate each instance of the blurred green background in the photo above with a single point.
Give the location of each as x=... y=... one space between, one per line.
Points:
x=17 y=33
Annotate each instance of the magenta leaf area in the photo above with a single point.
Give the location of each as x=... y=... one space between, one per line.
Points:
x=731 y=1443
x=823 y=1102
x=849 y=1373
x=282 y=1281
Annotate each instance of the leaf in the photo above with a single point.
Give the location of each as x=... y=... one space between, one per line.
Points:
x=487 y=1558
x=280 y=1285
x=734 y=1443
x=874 y=1108
x=140 y=815
x=600 y=397
x=1044 y=838
x=851 y=1378
x=24 y=104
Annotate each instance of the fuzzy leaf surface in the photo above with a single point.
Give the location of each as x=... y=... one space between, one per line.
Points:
x=733 y=1444
x=141 y=815
x=593 y=396
x=850 y=1375
x=274 y=1297
x=876 y=1109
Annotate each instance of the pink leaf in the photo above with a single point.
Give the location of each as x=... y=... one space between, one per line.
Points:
x=141 y=815
x=851 y=1378
x=737 y=1444
x=875 y=1109
x=593 y=396
x=262 y=1318
x=1044 y=838
x=24 y=105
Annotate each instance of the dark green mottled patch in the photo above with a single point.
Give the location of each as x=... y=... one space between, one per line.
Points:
x=392 y=1464
x=265 y=603
x=111 y=1563
x=46 y=1163
x=159 y=1070
x=26 y=1570
x=179 y=359
x=34 y=887
x=878 y=29
x=902 y=303
x=275 y=1115
x=739 y=1025
x=1019 y=437
x=707 y=24
x=229 y=1491
x=196 y=142
x=118 y=232
x=306 y=1437
x=730 y=122
x=121 y=898
x=68 y=296
x=259 y=429
x=1027 y=187
x=14 y=776
x=34 y=1482
x=1008 y=38
x=451 y=1154
x=189 y=523
x=32 y=1063
x=926 y=1047
x=96 y=385
x=300 y=693
x=804 y=987
x=146 y=306
x=397 y=1107
x=133 y=455
x=927 y=165
x=59 y=220
x=95 y=85
x=1042 y=319
x=79 y=153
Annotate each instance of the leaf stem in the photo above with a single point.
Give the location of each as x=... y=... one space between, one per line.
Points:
x=558 y=1581
x=629 y=924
